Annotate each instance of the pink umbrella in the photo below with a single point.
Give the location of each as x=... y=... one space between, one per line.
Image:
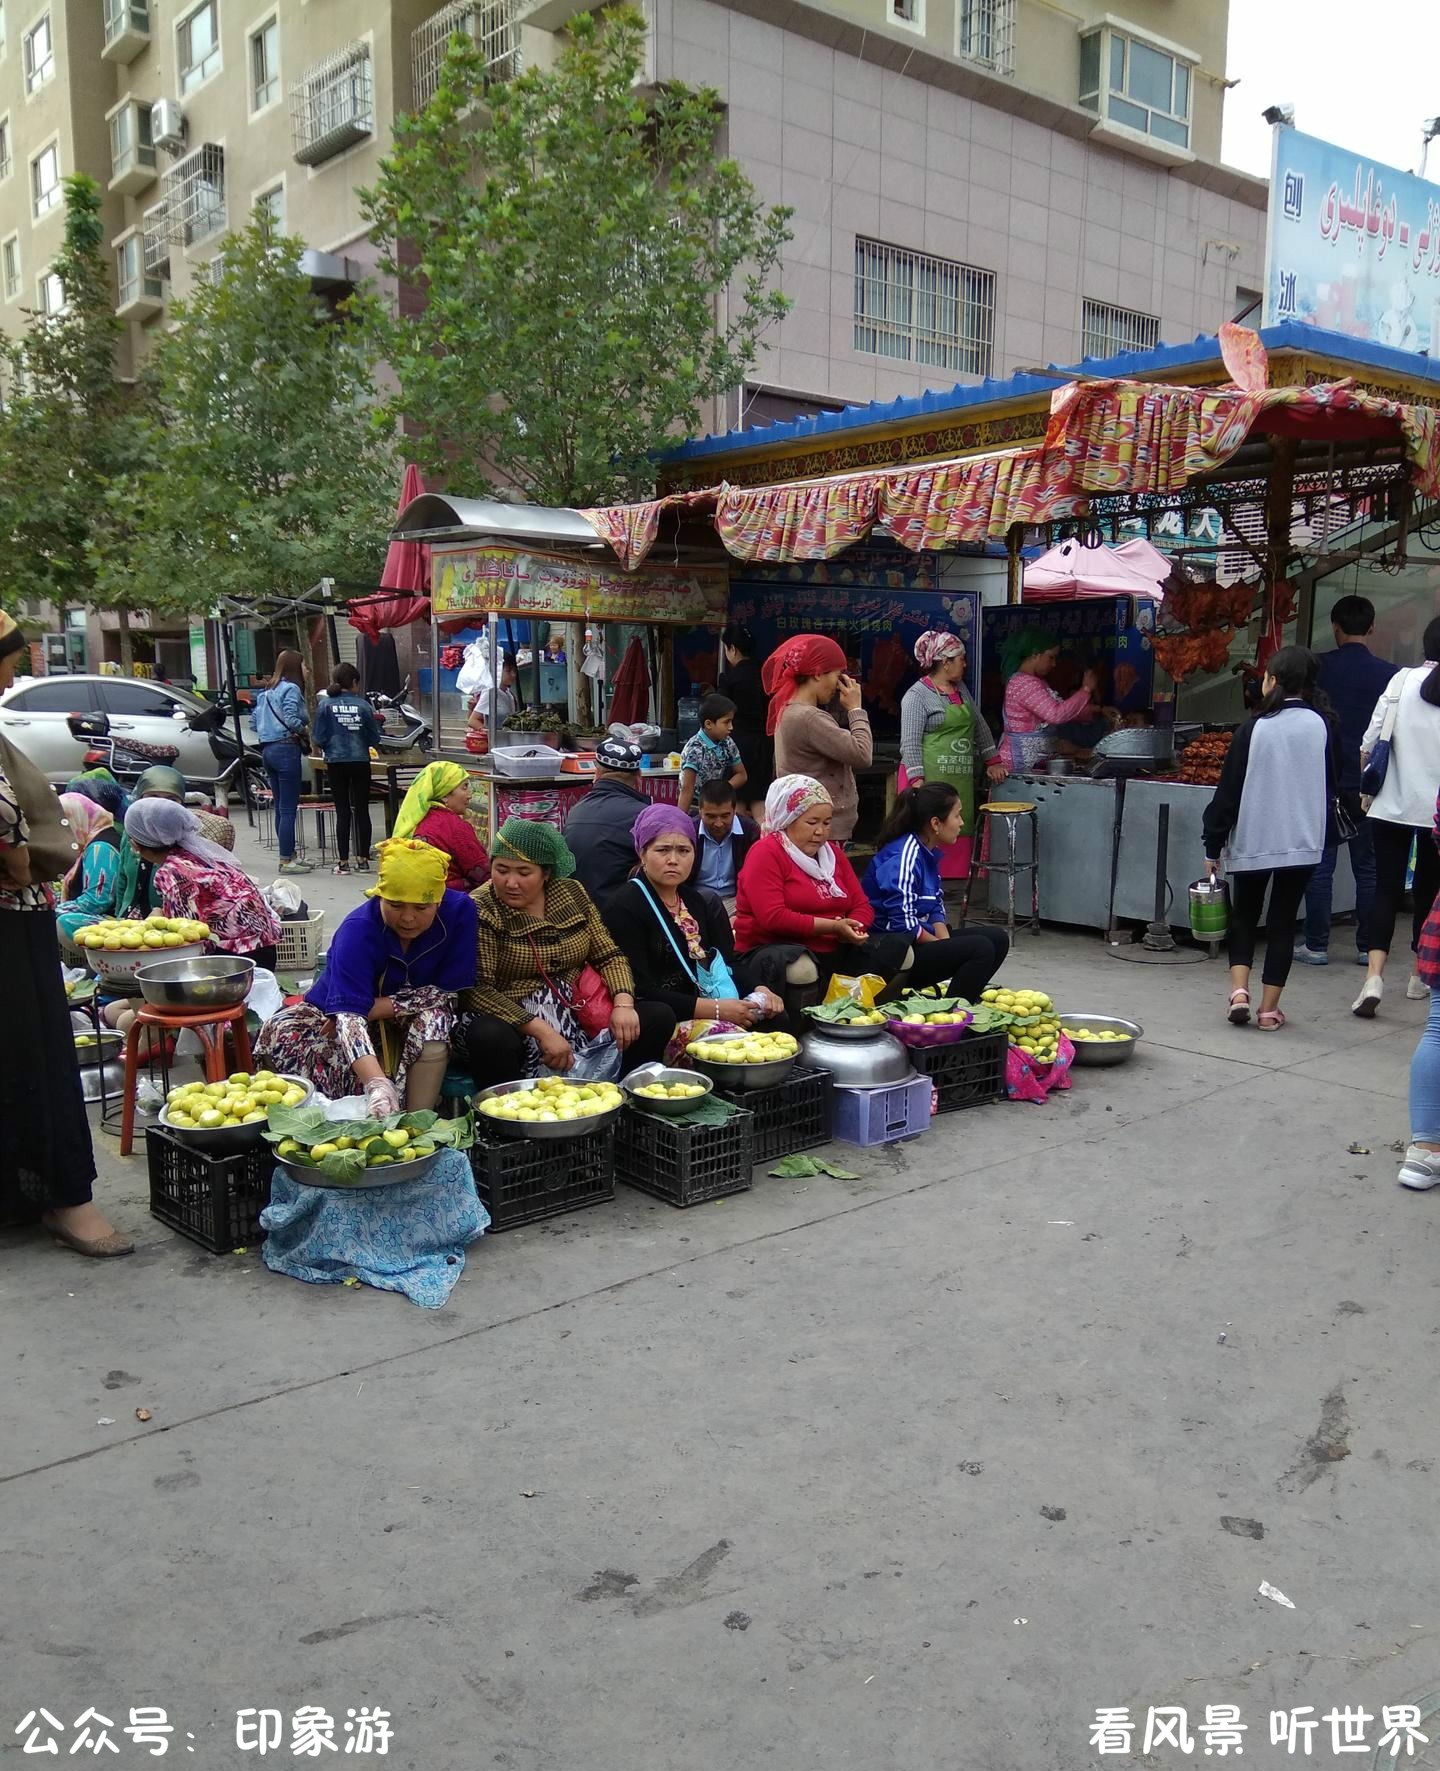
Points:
x=407 y=570
x=1071 y=570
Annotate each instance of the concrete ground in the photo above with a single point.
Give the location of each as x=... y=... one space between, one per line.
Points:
x=921 y=1470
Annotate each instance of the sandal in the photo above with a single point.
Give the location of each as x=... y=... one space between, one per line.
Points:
x=1239 y=1008
x=1270 y=1020
x=341 y=867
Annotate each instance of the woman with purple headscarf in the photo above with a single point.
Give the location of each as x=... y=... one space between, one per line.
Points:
x=196 y=878
x=676 y=935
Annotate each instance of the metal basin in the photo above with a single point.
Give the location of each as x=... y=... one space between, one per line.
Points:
x=218 y=982
x=738 y=1078
x=1109 y=1051
x=648 y=1073
x=106 y=1047
x=563 y=1128
x=390 y=1175
x=868 y=1063
x=843 y=1030
x=92 y=1075
x=228 y=1140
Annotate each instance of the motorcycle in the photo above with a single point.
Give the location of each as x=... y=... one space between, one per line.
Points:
x=401 y=726
x=217 y=722
x=126 y=758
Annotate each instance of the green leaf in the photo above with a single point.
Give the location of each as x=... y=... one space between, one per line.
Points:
x=307 y=1125
x=799 y=1168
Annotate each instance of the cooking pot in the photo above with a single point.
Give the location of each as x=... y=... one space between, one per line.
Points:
x=858 y=1063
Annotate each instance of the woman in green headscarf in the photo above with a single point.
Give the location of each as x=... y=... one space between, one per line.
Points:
x=433 y=810
x=540 y=944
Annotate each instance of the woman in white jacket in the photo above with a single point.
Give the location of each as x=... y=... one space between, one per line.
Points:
x=1402 y=810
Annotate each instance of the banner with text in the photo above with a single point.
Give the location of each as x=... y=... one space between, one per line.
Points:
x=520 y=581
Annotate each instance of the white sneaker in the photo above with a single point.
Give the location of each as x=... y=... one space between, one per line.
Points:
x=1416 y=989
x=1366 y=1003
x=1420 y=1171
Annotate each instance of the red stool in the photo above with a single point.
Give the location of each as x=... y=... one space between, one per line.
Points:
x=209 y=1024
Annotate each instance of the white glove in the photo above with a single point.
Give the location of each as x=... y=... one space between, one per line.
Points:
x=381 y=1099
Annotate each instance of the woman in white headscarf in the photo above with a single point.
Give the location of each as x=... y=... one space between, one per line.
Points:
x=196 y=878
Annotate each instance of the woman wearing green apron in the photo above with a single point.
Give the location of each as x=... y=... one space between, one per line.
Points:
x=941 y=732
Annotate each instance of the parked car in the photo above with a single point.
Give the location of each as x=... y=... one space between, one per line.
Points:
x=33 y=716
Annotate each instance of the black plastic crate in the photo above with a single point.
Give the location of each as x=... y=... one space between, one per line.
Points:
x=795 y=1115
x=684 y=1164
x=969 y=1073
x=522 y=1180
x=214 y=1200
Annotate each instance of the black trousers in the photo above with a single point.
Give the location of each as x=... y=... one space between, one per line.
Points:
x=1247 y=899
x=882 y=954
x=966 y=962
x=1392 y=854
x=350 y=790
x=494 y=1051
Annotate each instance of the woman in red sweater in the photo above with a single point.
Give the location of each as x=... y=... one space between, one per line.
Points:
x=433 y=811
x=797 y=896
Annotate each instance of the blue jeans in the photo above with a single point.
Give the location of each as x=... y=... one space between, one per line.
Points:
x=1425 y=1080
x=1321 y=890
x=282 y=766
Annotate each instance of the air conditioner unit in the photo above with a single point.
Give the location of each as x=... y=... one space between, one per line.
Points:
x=167 y=125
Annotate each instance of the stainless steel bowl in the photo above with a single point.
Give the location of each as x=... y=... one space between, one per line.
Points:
x=843 y=1030
x=737 y=1078
x=390 y=1175
x=1110 y=1051
x=218 y=982
x=868 y=1063
x=229 y=1140
x=91 y=1077
x=104 y=1048
x=563 y=1128
x=648 y=1073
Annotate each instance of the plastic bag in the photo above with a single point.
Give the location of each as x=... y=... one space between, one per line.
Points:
x=265 y=998
x=474 y=677
x=283 y=897
x=597 y=1060
x=861 y=990
x=1025 y=1080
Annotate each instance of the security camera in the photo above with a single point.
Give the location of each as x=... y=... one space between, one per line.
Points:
x=1279 y=114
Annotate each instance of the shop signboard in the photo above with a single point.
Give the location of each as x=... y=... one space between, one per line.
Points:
x=1352 y=245
x=562 y=587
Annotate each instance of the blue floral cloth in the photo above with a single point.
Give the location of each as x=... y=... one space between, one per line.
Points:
x=410 y=1237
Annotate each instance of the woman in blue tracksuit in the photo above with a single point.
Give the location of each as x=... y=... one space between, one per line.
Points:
x=903 y=883
x=281 y=722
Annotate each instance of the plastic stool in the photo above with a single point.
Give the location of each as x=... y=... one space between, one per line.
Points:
x=209 y=1027
x=459 y=1085
x=1011 y=812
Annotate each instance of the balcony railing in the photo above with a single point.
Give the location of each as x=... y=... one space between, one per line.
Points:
x=493 y=26
x=194 y=200
x=333 y=106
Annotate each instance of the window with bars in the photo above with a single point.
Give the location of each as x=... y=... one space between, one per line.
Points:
x=923 y=310
x=10 y=266
x=45 y=180
x=197 y=45
x=1137 y=84
x=193 y=207
x=333 y=105
x=493 y=26
x=265 y=65
x=1108 y=331
x=39 y=54
x=985 y=34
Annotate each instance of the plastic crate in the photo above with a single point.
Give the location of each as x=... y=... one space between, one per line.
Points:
x=298 y=948
x=214 y=1200
x=969 y=1073
x=684 y=1164
x=881 y=1115
x=523 y=1180
x=793 y=1116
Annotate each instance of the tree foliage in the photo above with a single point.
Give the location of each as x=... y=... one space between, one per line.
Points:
x=591 y=272
x=267 y=469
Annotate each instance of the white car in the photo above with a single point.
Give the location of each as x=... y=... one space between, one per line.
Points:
x=34 y=715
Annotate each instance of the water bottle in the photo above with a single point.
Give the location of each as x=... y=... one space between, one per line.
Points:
x=1209 y=909
x=687 y=714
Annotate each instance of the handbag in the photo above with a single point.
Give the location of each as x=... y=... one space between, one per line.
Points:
x=588 y=998
x=1372 y=775
x=51 y=838
x=1342 y=825
x=711 y=977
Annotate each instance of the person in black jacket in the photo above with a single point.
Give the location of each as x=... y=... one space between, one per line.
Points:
x=723 y=838
x=740 y=680
x=597 y=832
x=670 y=929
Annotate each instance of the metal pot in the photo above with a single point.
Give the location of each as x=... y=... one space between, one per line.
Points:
x=858 y=1063
x=218 y=982
x=1209 y=909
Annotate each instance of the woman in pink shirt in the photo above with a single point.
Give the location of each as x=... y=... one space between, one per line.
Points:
x=1032 y=708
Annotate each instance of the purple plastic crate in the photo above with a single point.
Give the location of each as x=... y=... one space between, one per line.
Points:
x=881 y=1115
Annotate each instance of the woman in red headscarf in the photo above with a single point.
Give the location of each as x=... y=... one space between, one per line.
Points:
x=802 y=676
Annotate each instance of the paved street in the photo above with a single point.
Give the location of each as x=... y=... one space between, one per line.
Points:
x=915 y=1470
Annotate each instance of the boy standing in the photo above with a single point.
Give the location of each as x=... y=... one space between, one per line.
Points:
x=712 y=754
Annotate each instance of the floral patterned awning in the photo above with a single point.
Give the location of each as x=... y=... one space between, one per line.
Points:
x=1104 y=438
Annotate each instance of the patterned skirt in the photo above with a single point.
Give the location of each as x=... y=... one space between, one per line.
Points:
x=305 y=1041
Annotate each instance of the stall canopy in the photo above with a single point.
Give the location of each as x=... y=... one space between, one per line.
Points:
x=1071 y=569
x=406 y=575
x=1104 y=439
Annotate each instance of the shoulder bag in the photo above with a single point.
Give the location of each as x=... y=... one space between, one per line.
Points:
x=588 y=998
x=1372 y=775
x=711 y=977
x=52 y=842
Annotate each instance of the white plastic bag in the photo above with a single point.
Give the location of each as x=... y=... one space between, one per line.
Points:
x=474 y=675
x=265 y=997
x=283 y=897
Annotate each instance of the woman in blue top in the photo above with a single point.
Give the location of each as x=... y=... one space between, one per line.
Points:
x=346 y=729
x=280 y=722
x=903 y=883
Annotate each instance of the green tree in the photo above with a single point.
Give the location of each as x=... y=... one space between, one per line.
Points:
x=69 y=431
x=591 y=272
x=267 y=470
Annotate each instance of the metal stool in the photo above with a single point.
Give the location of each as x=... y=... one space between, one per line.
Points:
x=209 y=1027
x=1011 y=812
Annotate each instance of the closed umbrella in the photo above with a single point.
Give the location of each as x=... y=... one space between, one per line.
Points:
x=407 y=572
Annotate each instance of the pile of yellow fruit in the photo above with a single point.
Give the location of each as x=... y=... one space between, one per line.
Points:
x=239 y=1100
x=553 y=1099
x=754 y=1048
x=385 y=1147
x=1095 y=1035
x=673 y=1091
x=942 y=1019
x=155 y=934
x=1039 y=1029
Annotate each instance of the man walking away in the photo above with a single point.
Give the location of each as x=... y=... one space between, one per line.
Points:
x=1352 y=679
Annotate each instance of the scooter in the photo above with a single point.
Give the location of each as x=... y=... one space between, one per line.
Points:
x=401 y=726
x=217 y=722
x=126 y=758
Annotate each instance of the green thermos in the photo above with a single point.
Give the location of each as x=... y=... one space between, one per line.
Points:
x=1209 y=909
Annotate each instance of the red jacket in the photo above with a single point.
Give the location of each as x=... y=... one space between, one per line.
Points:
x=447 y=830
x=775 y=901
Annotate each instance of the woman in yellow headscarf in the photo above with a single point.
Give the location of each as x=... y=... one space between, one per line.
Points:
x=378 y=1019
x=434 y=811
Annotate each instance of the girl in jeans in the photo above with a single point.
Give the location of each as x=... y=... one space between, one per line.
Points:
x=1270 y=814
x=1421 y=1168
x=346 y=730
x=280 y=721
